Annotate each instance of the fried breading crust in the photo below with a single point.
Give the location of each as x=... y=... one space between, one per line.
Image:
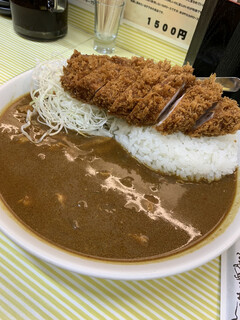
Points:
x=149 y=108
x=79 y=66
x=148 y=77
x=225 y=119
x=147 y=93
x=196 y=101
x=105 y=97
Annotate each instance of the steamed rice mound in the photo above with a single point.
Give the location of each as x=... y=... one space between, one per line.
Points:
x=207 y=158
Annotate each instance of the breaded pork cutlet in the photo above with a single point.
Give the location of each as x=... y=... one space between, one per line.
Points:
x=87 y=86
x=148 y=77
x=193 y=104
x=105 y=96
x=78 y=66
x=138 y=63
x=223 y=119
x=149 y=108
x=147 y=93
x=84 y=75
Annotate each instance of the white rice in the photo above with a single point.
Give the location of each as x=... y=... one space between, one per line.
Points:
x=189 y=158
x=207 y=158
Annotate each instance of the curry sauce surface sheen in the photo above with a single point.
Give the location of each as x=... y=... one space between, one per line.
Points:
x=87 y=194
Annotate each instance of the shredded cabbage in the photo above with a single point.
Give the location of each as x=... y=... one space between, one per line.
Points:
x=58 y=110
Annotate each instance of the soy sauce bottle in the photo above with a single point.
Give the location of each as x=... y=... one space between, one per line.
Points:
x=42 y=20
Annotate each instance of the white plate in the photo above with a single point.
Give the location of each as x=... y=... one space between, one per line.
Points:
x=208 y=249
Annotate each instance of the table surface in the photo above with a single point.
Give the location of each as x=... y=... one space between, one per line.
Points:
x=33 y=289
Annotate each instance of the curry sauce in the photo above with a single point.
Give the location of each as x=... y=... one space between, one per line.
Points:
x=88 y=195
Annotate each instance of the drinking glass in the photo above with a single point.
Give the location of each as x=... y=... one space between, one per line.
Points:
x=108 y=15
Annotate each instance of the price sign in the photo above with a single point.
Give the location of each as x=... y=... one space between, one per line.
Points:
x=174 y=20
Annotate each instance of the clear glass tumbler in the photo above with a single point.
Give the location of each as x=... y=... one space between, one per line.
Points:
x=108 y=15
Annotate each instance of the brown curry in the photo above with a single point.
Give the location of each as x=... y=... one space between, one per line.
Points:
x=88 y=195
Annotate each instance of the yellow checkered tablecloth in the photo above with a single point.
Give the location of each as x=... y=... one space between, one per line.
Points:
x=32 y=289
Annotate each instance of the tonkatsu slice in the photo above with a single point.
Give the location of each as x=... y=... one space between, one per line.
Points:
x=172 y=84
x=195 y=102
